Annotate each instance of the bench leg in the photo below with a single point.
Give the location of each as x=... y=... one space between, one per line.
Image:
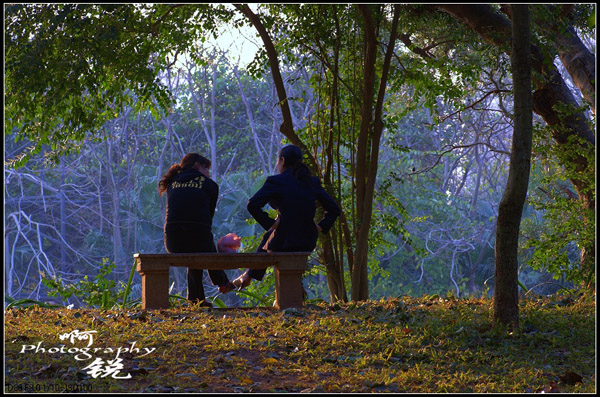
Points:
x=155 y=289
x=288 y=288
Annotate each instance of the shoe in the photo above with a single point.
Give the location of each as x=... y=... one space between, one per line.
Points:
x=201 y=302
x=242 y=281
x=223 y=289
x=205 y=303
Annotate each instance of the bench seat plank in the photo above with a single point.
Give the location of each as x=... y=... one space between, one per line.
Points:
x=218 y=260
x=289 y=267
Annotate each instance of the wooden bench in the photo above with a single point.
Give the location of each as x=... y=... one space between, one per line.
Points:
x=289 y=266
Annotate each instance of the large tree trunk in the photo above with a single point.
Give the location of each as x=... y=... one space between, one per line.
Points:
x=367 y=153
x=287 y=127
x=506 y=298
x=371 y=129
x=580 y=63
x=335 y=271
x=332 y=257
x=360 y=282
x=551 y=95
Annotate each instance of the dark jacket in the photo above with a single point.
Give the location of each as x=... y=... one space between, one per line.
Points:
x=191 y=201
x=295 y=203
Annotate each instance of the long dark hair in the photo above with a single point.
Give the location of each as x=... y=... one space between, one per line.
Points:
x=293 y=160
x=188 y=161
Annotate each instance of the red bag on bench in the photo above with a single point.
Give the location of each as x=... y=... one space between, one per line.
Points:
x=229 y=243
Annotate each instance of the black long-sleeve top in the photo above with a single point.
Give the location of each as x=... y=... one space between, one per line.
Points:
x=191 y=201
x=295 y=203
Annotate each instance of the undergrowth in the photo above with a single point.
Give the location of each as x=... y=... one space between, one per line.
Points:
x=418 y=345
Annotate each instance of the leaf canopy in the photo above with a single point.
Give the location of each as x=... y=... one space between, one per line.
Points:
x=70 y=68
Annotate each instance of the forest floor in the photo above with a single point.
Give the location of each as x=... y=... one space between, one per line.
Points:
x=416 y=345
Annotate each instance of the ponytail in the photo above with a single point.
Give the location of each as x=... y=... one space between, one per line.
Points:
x=188 y=161
x=293 y=160
x=166 y=179
x=301 y=172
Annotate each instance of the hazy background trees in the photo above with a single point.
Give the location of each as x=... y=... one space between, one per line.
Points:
x=441 y=168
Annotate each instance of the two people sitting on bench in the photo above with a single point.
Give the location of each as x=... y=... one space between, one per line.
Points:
x=191 y=203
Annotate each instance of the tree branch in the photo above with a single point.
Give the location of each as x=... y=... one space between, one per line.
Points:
x=454 y=147
x=404 y=38
x=154 y=27
x=497 y=91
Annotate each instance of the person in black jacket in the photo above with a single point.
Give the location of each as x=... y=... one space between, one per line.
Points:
x=191 y=203
x=293 y=193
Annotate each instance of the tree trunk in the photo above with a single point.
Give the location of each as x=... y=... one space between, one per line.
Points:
x=63 y=217
x=334 y=269
x=287 y=127
x=334 y=259
x=116 y=208
x=213 y=133
x=580 y=63
x=506 y=298
x=574 y=55
x=259 y=151
x=335 y=272
x=369 y=138
x=360 y=282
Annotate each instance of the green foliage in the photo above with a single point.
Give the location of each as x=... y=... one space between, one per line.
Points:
x=97 y=244
x=217 y=302
x=21 y=303
x=560 y=224
x=448 y=72
x=101 y=292
x=231 y=215
x=592 y=20
x=257 y=297
x=127 y=291
x=261 y=293
x=90 y=61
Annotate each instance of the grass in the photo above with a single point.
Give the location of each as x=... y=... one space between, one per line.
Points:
x=418 y=345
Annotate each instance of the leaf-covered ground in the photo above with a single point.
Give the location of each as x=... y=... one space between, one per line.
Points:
x=424 y=345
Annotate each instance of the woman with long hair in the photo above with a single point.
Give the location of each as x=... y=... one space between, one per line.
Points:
x=293 y=193
x=191 y=203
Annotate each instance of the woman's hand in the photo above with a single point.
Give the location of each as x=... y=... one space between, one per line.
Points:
x=275 y=224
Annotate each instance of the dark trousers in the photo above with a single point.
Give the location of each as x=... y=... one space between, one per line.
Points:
x=258 y=274
x=179 y=240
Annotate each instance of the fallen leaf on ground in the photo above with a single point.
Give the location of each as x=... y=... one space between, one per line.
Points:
x=246 y=381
